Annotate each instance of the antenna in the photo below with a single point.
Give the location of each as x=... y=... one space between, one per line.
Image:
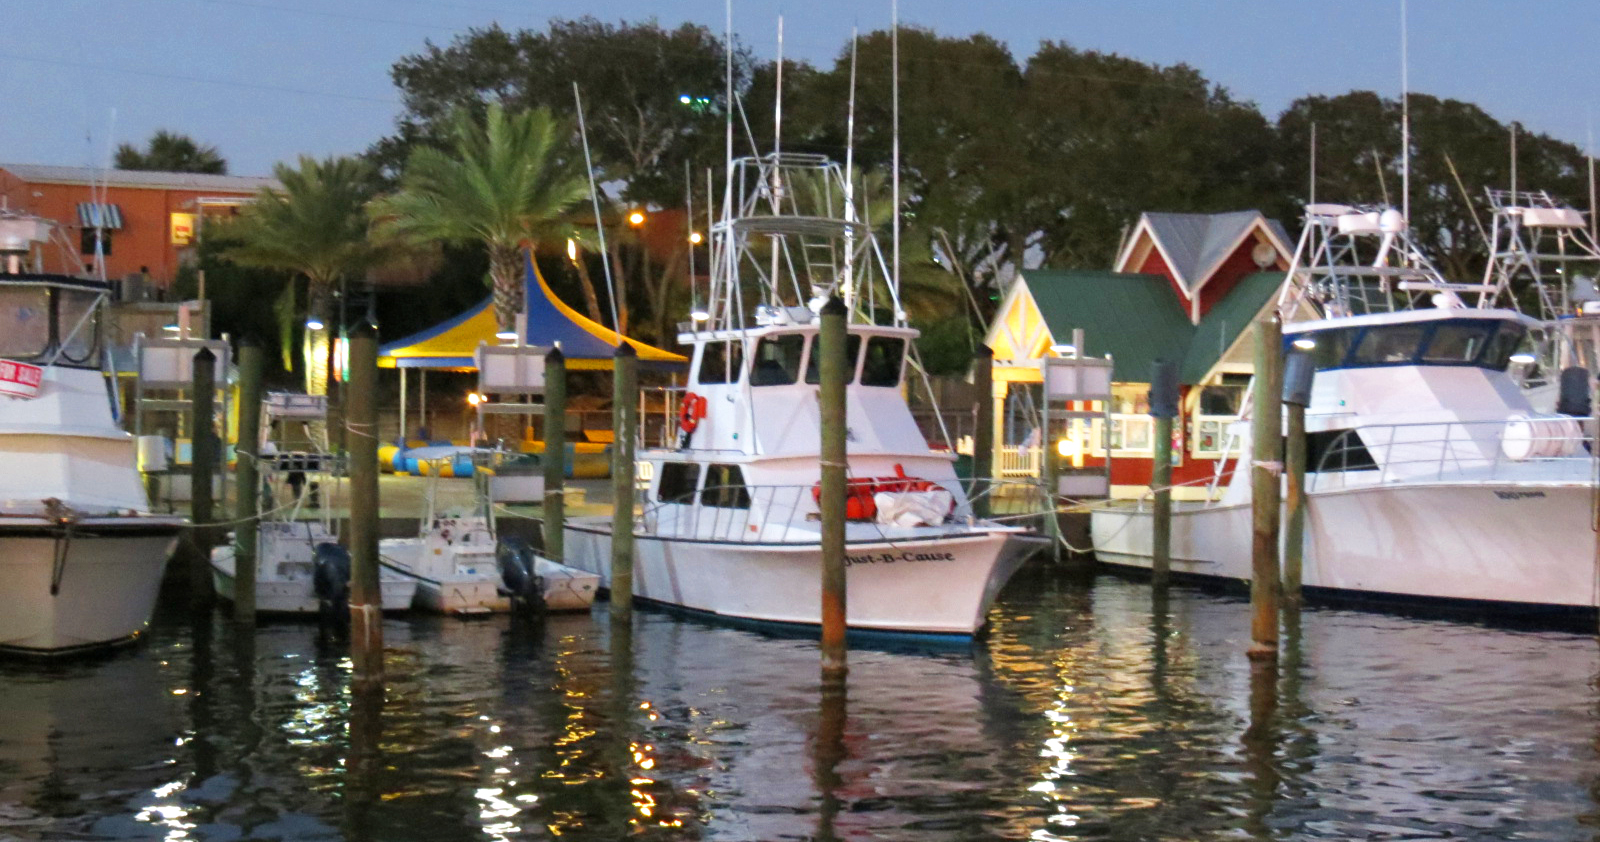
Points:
x=1405 y=120
x=100 y=201
x=1593 y=234
x=894 y=53
x=727 y=53
x=777 y=111
x=1313 y=191
x=688 y=222
x=1514 y=162
x=850 y=119
x=599 y=224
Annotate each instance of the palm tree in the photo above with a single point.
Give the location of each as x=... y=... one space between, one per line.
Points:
x=171 y=152
x=505 y=181
x=316 y=227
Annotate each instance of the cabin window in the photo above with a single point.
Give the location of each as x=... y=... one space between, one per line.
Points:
x=24 y=322
x=725 y=488
x=881 y=366
x=720 y=362
x=678 y=482
x=1328 y=348
x=1458 y=343
x=777 y=360
x=75 y=311
x=852 y=349
x=1507 y=341
x=1388 y=344
x=1336 y=451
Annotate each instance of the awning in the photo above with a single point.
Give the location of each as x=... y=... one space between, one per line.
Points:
x=585 y=343
x=99 y=215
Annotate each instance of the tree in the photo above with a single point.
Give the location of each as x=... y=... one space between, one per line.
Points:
x=506 y=181
x=171 y=152
x=316 y=227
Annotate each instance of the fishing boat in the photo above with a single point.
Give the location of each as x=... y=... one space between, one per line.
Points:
x=728 y=523
x=296 y=534
x=1430 y=475
x=81 y=554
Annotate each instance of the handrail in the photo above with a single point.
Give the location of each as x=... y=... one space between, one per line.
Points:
x=1434 y=451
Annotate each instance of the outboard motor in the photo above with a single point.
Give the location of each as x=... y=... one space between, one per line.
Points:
x=517 y=574
x=330 y=579
x=1574 y=398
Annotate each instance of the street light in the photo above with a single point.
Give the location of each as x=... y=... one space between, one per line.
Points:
x=313 y=323
x=695 y=238
x=636 y=218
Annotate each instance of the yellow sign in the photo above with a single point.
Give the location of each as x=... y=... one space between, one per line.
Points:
x=182 y=228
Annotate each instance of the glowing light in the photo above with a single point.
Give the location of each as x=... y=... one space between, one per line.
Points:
x=636 y=218
x=314 y=323
x=171 y=327
x=572 y=250
x=1066 y=448
x=1523 y=357
x=695 y=238
x=474 y=398
x=506 y=336
x=700 y=315
x=685 y=99
x=1305 y=343
x=1063 y=350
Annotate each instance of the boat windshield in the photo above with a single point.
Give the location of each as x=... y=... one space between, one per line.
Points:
x=24 y=322
x=777 y=360
x=1484 y=343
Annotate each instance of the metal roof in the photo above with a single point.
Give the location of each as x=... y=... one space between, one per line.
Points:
x=1137 y=320
x=147 y=179
x=1194 y=243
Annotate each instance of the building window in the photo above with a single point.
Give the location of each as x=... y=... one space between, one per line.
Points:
x=90 y=235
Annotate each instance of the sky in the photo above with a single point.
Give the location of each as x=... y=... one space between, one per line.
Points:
x=267 y=80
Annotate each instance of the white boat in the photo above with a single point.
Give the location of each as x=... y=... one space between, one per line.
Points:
x=1430 y=475
x=81 y=555
x=453 y=563
x=292 y=539
x=729 y=524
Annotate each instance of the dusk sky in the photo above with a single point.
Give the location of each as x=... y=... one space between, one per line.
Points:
x=266 y=80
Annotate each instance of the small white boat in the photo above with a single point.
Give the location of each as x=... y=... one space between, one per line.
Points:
x=289 y=548
x=81 y=555
x=453 y=563
x=286 y=562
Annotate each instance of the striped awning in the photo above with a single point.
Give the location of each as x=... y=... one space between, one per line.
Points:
x=99 y=215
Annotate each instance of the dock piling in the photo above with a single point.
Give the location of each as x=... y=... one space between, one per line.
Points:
x=247 y=502
x=1298 y=371
x=555 y=455
x=1266 y=465
x=983 y=430
x=202 y=472
x=361 y=441
x=625 y=424
x=833 y=373
x=1163 y=409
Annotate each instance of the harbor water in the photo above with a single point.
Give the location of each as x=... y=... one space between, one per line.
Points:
x=1089 y=712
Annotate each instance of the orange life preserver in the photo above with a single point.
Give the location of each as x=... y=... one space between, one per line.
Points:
x=689 y=415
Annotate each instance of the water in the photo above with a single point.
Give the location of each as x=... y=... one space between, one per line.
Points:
x=1086 y=715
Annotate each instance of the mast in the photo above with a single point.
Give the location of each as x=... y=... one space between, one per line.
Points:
x=599 y=224
x=894 y=53
x=1405 y=120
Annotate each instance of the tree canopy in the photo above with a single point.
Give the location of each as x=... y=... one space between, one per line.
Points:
x=170 y=152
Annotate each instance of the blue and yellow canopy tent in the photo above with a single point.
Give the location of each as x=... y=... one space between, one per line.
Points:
x=586 y=344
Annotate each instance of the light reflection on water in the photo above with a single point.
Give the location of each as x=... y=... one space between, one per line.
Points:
x=1092 y=712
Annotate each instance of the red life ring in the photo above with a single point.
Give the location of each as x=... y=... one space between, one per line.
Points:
x=689 y=415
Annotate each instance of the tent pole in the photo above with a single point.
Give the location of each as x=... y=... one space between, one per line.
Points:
x=402 y=372
x=422 y=410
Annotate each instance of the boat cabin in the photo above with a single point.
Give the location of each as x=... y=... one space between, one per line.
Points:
x=51 y=320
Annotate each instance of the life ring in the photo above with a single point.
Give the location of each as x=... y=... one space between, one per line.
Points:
x=689 y=415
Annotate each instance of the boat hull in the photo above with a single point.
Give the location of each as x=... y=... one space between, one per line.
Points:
x=298 y=595
x=453 y=587
x=110 y=576
x=1517 y=546
x=940 y=585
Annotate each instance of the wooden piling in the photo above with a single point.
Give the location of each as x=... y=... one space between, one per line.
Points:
x=1266 y=466
x=625 y=426
x=834 y=374
x=555 y=454
x=247 y=502
x=202 y=471
x=361 y=441
x=1294 y=535
x=983 y=430
x=1163 y=408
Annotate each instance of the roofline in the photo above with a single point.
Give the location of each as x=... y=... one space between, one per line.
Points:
x=108 y=178
x=1259 y=222
x=1420 y=315
x=1172 y=266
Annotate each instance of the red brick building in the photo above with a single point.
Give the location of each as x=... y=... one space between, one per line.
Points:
x=140 y=221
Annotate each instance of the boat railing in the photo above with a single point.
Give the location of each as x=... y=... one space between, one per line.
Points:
x=1531 y=448
x=790 y=513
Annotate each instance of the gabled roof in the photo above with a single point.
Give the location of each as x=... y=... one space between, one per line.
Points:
x=1136 y=319
x=586 y=344
x=1194 y=244
x=148 y=179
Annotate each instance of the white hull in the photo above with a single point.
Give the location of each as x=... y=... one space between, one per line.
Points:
x=1522 y=544
x=566 y=588
x=298 y=595
x=107 y=590
x=461 y=584
x=936 y=585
